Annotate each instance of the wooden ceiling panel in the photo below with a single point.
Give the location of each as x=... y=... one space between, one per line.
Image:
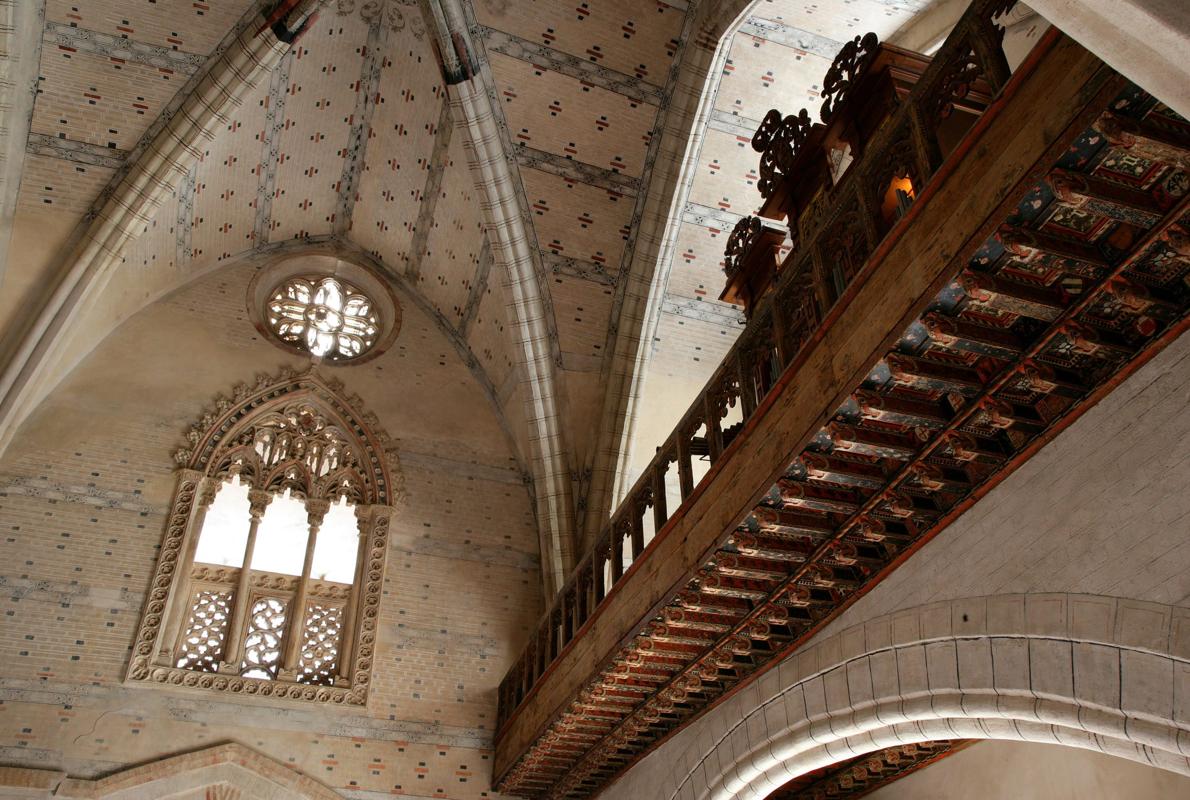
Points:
x=561 y=115
x=635 y=37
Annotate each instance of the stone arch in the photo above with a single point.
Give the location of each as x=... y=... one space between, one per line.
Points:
x=1100 y=673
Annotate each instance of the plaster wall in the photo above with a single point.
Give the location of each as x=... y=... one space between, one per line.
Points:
x=999 y=770
x=1103 y=509
x=83 y=493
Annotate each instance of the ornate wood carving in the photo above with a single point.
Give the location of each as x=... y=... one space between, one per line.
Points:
x=1066 y=297
x=846 y=70
x=779 y=140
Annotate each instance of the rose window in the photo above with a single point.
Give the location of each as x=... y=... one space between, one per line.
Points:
x=325 y=316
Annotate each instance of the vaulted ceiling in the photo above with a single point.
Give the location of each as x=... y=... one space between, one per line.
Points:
x=527 y=213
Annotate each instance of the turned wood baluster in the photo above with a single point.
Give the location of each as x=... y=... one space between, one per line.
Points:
x=543 y=653
x=598 y=558
x=527 y=670
x=258 y=501
x=637 y=531
x=555 y=633
x=178 y=602
x=580 y=602
x=925 y=140
x=316 y=510
x=617 y=541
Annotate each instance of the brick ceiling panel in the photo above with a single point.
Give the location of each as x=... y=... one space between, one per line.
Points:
x=561 y=115
x=698 y=263
x=193 y=26
x=404 y=126
x=635 y=37
x=162 y=244
x=226 y=184
x=53 y=183
x=690 y=346
x=762 y=74
x=842 y=19
x=583 y=310
x=323 y=82
x=486 y=333
x=98 y=100
x=455 y=239
x=584 y=396
x=577 y=220
x=726 y=175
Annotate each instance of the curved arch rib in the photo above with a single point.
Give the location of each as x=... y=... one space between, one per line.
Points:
x=253 y=51
x=514 y=251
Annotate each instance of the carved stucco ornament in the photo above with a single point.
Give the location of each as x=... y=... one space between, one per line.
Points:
x=295 y=430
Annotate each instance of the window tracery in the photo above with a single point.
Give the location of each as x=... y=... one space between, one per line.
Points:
x=269 y=577
x=327 y=317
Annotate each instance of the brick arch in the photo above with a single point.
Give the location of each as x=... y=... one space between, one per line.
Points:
x=1101 y=673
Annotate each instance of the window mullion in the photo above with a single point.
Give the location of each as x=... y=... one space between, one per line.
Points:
x=178 y=603
x=258 y=500
x=363 y=517
x=291 y=644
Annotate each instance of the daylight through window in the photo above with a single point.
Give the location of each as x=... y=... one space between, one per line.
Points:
x=325 y=316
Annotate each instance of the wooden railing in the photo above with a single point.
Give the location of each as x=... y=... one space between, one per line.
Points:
x=841 y=227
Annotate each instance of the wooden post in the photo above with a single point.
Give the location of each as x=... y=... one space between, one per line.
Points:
x=660 y=512
x=685 y=468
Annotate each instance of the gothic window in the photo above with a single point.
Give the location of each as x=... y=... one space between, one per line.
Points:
x=269 y=578
x=328 y=317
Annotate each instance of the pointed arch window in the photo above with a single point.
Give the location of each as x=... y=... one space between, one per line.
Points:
x=268 y=581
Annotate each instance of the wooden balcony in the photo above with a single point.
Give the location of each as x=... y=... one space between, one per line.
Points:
x=1043 y=259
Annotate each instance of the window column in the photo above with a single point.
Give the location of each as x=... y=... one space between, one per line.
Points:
x=258 y=501
x=292 y=643
x=178 y=604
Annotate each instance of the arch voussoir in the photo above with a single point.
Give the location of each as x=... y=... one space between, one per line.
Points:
x=1043 y=676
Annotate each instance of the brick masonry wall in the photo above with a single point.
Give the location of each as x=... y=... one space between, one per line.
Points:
x=82 y=498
